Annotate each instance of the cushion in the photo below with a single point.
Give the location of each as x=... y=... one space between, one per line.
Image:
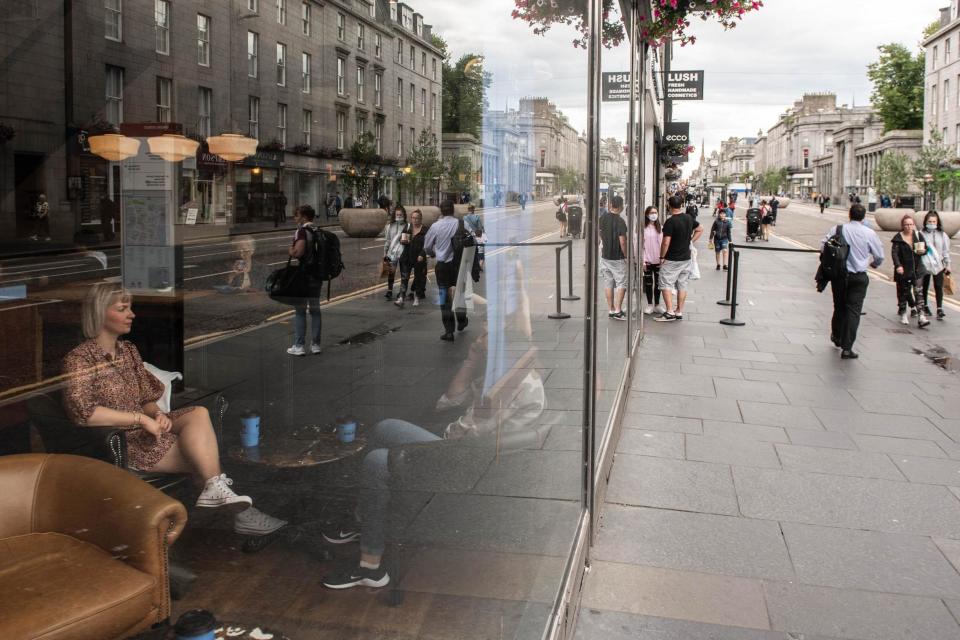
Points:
x=55 y=586
x=167 y=378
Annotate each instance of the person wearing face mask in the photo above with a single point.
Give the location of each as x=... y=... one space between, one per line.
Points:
x=413 y=260
x=940 y=241
x=652 y=237
x=908 y=248
x=393 y=233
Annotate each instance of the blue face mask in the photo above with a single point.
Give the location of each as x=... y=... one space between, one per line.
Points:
x=930 y=227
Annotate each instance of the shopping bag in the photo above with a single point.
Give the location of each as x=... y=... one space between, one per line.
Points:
x=710 y=245
x=949 y=286
x=931 y=260
x=694 y=268
x=289 y=284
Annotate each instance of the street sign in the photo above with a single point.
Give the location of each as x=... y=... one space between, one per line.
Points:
x=683 y=85
x=615 y=86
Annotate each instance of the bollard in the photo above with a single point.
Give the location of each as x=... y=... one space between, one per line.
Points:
x=570 y=296
x=732 y=320
x=726 y=299
x=558 y=314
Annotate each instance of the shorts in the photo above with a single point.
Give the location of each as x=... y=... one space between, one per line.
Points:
x=720 y=245
x=613 y=273
x=674 y=274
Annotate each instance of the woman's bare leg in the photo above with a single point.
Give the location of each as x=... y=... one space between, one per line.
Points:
x=196 y=449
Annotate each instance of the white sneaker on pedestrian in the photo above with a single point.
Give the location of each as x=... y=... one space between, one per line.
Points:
x=660 y=309
x=399 y=301
x=297 y=350
x=217 y=494
x=254 y=522
x=315 y=348
x=416 y=301
x=904 y=318
x=922 y=321
x=648 y=309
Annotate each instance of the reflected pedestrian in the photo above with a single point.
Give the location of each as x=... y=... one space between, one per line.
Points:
x=413 y=260
x=652 y=238
x=41 y=217
x=302 y=250
x=940 y=242
x=392 y=247
x=439 y=244
x=613 y=258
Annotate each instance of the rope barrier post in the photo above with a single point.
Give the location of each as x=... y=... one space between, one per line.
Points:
x=726 y=299
x=732 y=320
x=558 y=314
x=570 y=296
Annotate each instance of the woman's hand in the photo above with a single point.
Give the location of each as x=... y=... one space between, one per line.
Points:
x=420 y=258
x=150 y=425
x=163 y=421
x=900 y=270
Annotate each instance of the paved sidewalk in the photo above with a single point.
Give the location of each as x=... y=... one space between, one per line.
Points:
x=765 y=489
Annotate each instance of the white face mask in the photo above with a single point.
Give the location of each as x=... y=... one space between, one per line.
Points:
x=652 y=216
x=399 y=218
x=930 y=227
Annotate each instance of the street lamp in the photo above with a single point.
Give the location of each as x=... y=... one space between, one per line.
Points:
x=927 y=195
x=437 y=180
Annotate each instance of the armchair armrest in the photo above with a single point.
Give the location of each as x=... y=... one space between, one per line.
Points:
x=105 y=443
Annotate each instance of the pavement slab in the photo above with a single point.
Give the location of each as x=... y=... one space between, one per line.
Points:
x=733 y=451
x=673 y=484
x=859 y=464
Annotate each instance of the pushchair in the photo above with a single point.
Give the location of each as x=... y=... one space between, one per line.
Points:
x=753 y=224
x=575 y=221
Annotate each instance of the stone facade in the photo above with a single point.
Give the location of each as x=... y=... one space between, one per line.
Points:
x=941 y=111
x=556 y=144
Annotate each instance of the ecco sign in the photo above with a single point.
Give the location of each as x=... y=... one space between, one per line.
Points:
x=683 y=85
x=676 y=133
x=677 y=138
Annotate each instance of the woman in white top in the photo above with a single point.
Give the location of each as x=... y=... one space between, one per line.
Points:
x=940 y=241
x=392 y=245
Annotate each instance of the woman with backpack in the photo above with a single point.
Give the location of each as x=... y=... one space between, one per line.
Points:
x=302 y=250
x=940 y=243
x=393 y=233
x=907 y=251
x=413 y=260
x=562 y=216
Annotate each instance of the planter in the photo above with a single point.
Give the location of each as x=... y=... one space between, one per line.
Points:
x=784 y=203
x=949 y=219
x=889 y=219
x=363 y=223
x=430 y=213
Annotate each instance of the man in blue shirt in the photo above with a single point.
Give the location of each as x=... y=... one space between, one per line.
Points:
x=866 y=251
x=439 y=243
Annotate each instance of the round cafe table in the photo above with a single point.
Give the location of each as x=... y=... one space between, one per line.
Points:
x=305 y=446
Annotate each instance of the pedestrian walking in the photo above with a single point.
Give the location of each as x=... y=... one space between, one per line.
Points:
x=439 y=244
x=766 y=219
x=413 y=261
x=864 y=251
x=393 y=234
x=822 y=201
x=562 y=216
x=907 y=251
x=302 y=250
x=720 y=237
x=680 y=231
x=939 y=242
x=469 y=271
x=613 y=257
x=41 y=219
x=652 y=238
x=523 y=202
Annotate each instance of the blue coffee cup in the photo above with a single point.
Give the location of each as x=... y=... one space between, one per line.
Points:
x=197 y=624
x=347 y=432
x=250 y=433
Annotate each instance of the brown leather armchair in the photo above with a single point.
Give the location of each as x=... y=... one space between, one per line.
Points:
x=83 y=549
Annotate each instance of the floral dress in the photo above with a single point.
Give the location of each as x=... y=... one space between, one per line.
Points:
x=121 y=383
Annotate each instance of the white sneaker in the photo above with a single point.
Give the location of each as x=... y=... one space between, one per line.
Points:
x=217 y=493
x=660 y=309
x=416 y=301
x=648 y=309
x=922 y=321
x=904 y=318
x=315 y=348
x=297 y=350
x=399 y=301
x=254 y=522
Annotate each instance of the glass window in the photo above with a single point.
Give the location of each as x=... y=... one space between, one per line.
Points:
x=936 y=57
x=378 y=45
x=399 y=51
x=946 y=96
x=946 y=51
x=305 y=18
x=341 y=72
x=253 y=117
x=957 y=141
x=423 y=102
x=161 y=13
x=361 y=37
x=114 y=95
x=413 y=58
x=433 y=107
x=378 y=136
x=113 y=10
x=203 y=40
x=361 y=125
x=306 y=127
x=307 y=63
x=423 y=62
x=281 y=11
x=341 y=128
x=164 y=99
x=434 y=64
x=378 y=89
x=253 y=5
x=341 y=26
x=934 y=100
x=282 y=124
x=281 y=64
x=400 y=93
x=371 y=10
x=204 y=111
x=413 y=98
x=400 y=141
x=361 y=77
x=253 y=54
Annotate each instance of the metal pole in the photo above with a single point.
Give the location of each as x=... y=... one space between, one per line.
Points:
x=590 y=292
x=570 y=295
x=726 y=299
x=558 y=314
x=732 y=320
x=631 y=175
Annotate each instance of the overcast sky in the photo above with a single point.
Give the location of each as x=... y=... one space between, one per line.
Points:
x=753 y=73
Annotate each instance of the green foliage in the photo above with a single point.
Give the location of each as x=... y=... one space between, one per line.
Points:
x=441 y=44
x=459 y=175
x=363 y=157
x=892 y=176
x=425 y=161
x=464 y=84
x=934 y=161
x=931 y=29
x=897 y=79
x=771 y=180
x=568 y=180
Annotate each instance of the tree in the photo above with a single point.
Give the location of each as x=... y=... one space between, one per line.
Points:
x=771 y=180
x=897 y=79
x=459 y=175
x=568 y=180
x=464 y=85
x=363 y=158
x=892 y=176
x=933 y=161
x=425 y=161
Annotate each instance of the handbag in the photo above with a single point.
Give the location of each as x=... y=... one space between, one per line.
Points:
x=949 y=286
x=694 y=266
x=931 y=260
x=289 y=284
x=384 y=269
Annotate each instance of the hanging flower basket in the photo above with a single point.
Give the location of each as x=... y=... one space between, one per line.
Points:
x=670 y=19
x=676 y=149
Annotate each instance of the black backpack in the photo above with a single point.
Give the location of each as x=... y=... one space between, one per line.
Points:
x=323 y=259
x=833 y=257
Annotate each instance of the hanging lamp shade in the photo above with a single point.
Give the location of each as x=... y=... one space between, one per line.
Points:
x=173 y=147
x=113 y=146
x=232 y=147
